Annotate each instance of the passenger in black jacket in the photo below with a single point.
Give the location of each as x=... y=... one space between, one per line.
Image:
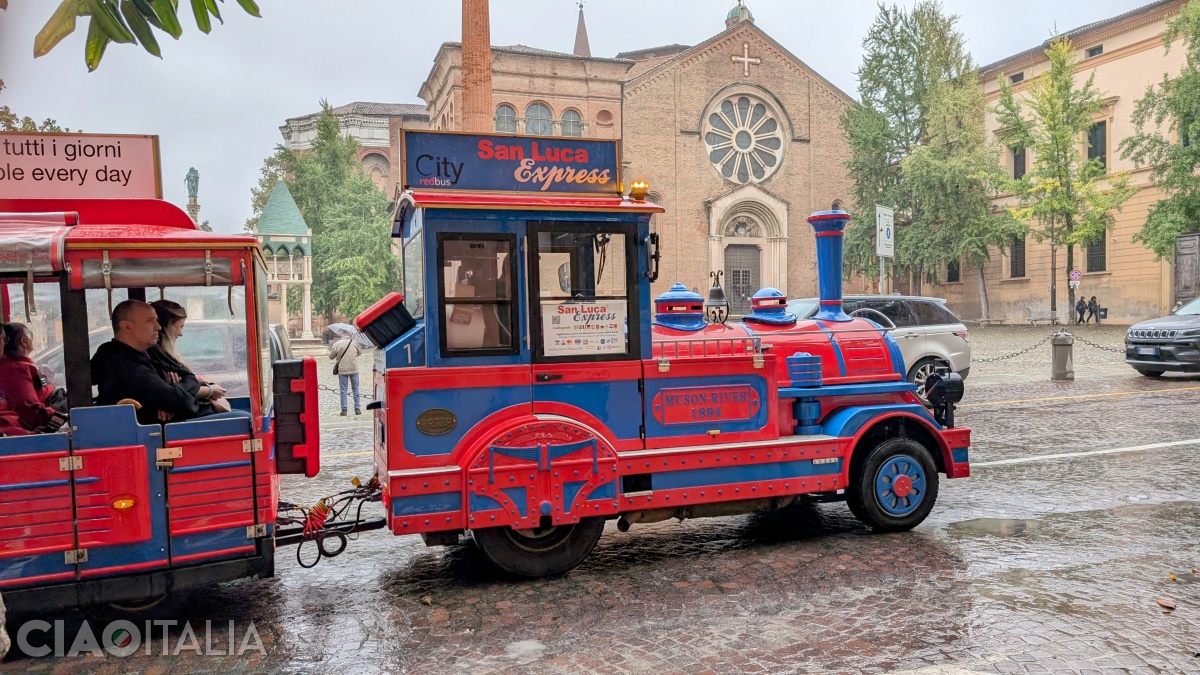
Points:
x=122 y=369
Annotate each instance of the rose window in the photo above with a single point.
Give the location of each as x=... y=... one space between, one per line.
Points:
x=743 y=139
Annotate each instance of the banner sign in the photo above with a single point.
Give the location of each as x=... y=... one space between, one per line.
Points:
x=571 y=328
x=79 y=166
x=454 y=161
x=692 y=405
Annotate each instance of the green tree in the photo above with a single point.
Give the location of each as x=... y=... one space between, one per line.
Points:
x=124 y=21
x=1067 y=199
x=907 y=53
x=272 y=172
x=10 y=121
x=954 y=175
x=1169 y=147
x=353 y=262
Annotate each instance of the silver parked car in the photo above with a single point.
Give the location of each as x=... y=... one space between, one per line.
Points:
x=929 y=335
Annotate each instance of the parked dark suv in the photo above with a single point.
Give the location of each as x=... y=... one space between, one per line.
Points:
x=1171 y=343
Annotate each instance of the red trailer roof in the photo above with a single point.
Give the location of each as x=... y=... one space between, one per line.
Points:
x=114 y=223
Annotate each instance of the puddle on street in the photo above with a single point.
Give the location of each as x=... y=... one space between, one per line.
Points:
x=1003 y=527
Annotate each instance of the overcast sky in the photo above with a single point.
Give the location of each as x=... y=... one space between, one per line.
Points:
x=217 y=101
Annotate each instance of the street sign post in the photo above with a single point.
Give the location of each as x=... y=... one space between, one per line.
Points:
x=885 y=239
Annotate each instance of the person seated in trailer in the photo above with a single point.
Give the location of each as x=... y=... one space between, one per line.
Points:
x=172 y=318
x=122 y=369
x=10 y=422
x=24 y=389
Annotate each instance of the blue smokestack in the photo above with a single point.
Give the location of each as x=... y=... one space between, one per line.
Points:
x=829 y=227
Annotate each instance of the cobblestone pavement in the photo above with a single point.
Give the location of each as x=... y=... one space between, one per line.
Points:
x=1038 y=563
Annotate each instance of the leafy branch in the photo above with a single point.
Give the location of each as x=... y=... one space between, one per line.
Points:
x=124 y=22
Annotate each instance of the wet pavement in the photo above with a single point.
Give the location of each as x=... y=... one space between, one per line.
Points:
x=1083 y=509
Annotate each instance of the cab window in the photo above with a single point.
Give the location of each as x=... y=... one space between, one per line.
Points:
x=580 y=275
x=475 y=289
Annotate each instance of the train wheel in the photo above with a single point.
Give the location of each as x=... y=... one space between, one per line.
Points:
x=895 y=487
x=539 y=552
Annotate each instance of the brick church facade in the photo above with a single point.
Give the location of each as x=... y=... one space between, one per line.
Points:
x=738 y=138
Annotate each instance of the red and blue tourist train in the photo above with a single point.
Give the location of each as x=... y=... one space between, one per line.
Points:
x=528 y=388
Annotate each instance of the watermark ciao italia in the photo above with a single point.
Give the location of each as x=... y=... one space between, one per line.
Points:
x=122 y=638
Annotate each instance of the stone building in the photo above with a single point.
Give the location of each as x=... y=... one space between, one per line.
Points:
x=376 y=127
x=1125 y=54
x=738 y=138
x=740 y=141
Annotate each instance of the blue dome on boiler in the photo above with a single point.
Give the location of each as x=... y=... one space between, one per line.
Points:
x=769 y=305
x=680 y=309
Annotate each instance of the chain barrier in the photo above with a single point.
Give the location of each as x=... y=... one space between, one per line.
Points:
x=1013 y=355
x=1106 y=348
x=1039 y=343
x=362 y=394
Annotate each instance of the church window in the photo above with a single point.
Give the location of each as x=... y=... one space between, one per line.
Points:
x=744 y=139
x=572 y=123
x=506 y=119
x=538 y=120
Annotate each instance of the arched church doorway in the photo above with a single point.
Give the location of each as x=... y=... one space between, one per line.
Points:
x=743 y=270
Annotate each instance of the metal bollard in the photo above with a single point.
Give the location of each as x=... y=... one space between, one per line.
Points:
x=1062 y=363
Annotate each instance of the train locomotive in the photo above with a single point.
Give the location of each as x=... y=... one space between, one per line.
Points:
x=527 y=389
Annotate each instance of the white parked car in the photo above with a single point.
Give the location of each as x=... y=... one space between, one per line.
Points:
x=929 y=335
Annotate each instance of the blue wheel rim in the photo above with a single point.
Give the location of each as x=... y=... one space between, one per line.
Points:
x=900 y=485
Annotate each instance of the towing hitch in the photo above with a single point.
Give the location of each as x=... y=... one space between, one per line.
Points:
x=327 y=523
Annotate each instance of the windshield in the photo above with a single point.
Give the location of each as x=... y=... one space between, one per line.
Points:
x=1192 y=308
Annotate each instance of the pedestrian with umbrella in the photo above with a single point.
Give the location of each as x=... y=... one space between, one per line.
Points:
x=344 y=352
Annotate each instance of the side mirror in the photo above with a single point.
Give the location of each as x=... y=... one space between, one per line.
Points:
x=652 y=256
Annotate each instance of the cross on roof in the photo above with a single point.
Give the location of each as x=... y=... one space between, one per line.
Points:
x=745 y=59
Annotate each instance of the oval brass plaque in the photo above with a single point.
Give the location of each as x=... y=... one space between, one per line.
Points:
x=436 y=421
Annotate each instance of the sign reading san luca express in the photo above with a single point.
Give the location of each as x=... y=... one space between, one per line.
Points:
x=454 y=161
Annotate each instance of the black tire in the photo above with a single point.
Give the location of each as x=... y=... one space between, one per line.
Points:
x=924 y=368
x=870 y=498
x=1150 y=373
x=539 y=553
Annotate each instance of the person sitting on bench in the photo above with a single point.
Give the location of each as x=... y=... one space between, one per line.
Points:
x=122 y=369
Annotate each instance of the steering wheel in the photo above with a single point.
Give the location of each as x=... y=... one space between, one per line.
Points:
x=889 y=325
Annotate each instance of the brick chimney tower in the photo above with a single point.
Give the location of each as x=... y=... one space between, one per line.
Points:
x=476 y=67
